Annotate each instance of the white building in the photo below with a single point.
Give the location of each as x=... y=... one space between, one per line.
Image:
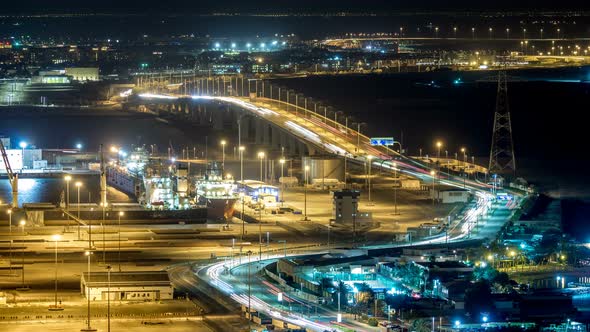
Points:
x=83 y=73
x=15 y=158
x=127 y=286
x=451 y=195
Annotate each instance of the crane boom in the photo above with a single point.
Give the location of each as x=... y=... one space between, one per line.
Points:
x=12 y=177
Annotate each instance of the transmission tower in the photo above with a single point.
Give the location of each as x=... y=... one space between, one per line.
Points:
x=502 y=151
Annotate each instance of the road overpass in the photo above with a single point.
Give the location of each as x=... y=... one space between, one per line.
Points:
x=333 y=137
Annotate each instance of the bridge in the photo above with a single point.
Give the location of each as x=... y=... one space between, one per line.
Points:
x=308 y=122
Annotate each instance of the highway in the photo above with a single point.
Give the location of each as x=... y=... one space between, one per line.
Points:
x=337 y=139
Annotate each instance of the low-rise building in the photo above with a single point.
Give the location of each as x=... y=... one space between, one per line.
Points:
x=127 y=286
x=83 y=73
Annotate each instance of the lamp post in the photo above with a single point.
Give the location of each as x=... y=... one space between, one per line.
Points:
x=223 y=142
x=261 y=157
x=22 y=224
x=369 y=159
x=241 y=149
x=55 y=307
x=438 y=146
x=102 y=225
x=121 y=213
x=78 y=184
x=68 y=178
x=9 y=211
x=109 y=268
x=395 y=189
x=282 y=162
x=88 y=328
x=306 y=169
x=433 y=174
x=249 y=294
x=260 y=234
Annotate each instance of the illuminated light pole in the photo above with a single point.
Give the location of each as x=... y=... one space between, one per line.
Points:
x=241 y=149
x=455 y=32
x=490 y=30
x=78 y=184
x=464 y=164
x=22 y=224
x=249 y=294
x=282 y=162
x=223 y=142
x=261 y=156
x=56 y=238
x=472 y=33
x=23 y=146
x=507 y=33
x=369 y=159
x=121 y=213
x=242 y=216
x=88 y=328
x=9 y=211
x=395 y=189
x=305 y=193
x=438 y=146
x=68 y=178
x=109 y=268
x=433 y=174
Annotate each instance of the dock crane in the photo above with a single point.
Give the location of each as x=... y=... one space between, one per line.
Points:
x=12 y=177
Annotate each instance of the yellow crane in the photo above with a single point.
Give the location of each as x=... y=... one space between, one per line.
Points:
x=12 y=177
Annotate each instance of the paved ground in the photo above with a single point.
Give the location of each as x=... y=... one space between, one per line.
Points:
x=116 y=325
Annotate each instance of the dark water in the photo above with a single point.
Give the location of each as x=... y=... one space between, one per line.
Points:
x=49 y=190
x=134 y=27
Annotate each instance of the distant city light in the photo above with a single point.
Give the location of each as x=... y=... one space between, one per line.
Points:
x=22 y=144
x=248 y=45
x=233 y=45
x=262 y=45
x=78 y=146
x=217 y=45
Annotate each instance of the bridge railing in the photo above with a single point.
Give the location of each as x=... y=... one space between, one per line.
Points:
x=287 y=99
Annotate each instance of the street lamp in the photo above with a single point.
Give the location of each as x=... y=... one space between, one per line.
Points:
x=88 y=328
x=22 y=224
x=438 y=145
x=78 y=185
x=395 y=189
x=241 y=149
x=249 y=294
x=9 y=211
x=261 y=156
x=306 y=168
x=223 y=142
x=121 y=213
x=109 y=268
x=56 y=238
x=369 y=158
x=282 y=162
x=23 y=145
x=433 y=174
x=68 y=178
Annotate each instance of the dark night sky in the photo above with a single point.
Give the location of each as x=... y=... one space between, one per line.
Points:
x=44 y=6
